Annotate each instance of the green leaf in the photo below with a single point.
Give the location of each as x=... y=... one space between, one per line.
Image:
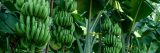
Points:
x=97 y=5
x=148 y=36
x=7 y=22
x=153 y=47
x=139 y=9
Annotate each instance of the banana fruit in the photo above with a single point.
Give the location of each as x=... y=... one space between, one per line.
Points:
x=34 y=24
x=63 y=18
x=112 y=38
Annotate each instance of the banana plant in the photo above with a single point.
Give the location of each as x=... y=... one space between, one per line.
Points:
x=79 y=26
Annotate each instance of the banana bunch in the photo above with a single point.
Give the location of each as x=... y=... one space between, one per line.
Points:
x=111 y=50
x=36 y=32
x=63 y=29
x=70 y=5
x=37 y=8
x=66 y=37
x=63 y=18
x=112 y=38
x=33 y=26
x=113 y=45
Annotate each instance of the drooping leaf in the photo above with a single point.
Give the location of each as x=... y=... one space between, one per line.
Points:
x=139 y=9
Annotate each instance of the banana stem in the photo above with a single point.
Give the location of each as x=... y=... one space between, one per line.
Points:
x=63 y=49
x=32 y=49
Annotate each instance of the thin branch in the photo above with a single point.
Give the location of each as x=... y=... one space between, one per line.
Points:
x=51 y=8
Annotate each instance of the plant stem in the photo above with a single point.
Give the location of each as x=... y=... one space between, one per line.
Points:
x=100 y=39
x=96 y=21
x=51 y=8
x=87 y=48
x=79 y=44
x=8 y=46
x=47 y=48
x=63 y=48
x=32 y=49
x=132 y=26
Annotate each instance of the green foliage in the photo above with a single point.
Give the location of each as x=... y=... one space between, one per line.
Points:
x=80 y=26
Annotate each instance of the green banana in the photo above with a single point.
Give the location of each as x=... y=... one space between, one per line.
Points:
x=43 y=40
x=33 y=27
x=36 y=9
x=27 y=8
x=28 y=27
x=56 y=20
x=48 y=37
x=31 y=6
x=45 y=12
x=22 y=24
x=60 y=37
x=18 y=30
x=40 y=38
x=40 y=11
x=38 y=31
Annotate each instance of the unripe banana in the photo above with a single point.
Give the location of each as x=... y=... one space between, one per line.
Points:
x=32 y=27
x=60 y=19
x=40 y=11
x=27 y=8
x=18 y=30
x=38 y=31
x=40 y=38
x=45 y=12
x=67 y=37
x=28 y=27
x=36 y=9
x=56 y=19
x=60 y=37
x=22 y=24
x=45 y=35
x=31 y=6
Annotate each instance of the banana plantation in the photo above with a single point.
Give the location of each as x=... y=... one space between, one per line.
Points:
x=79 y=26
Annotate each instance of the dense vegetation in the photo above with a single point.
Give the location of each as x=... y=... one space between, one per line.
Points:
x=79 y=26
